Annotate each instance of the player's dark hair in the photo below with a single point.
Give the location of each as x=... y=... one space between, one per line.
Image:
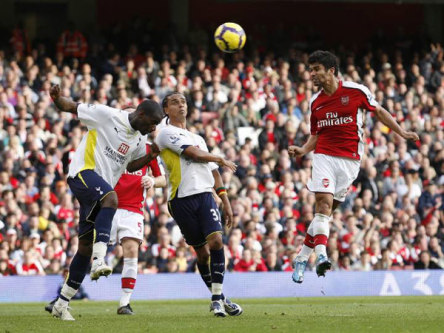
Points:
x=150 y=108
x=325 y=58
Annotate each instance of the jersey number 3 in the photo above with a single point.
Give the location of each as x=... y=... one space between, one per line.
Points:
x=216 y=215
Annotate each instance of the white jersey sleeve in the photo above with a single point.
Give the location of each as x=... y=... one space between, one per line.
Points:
x=140 y=150
x=171 y=139
x=94 y=114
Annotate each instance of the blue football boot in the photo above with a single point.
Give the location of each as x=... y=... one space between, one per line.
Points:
x=322 y=265
x=299 y=269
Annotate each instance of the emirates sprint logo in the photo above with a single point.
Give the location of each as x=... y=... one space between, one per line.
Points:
x=332 y=119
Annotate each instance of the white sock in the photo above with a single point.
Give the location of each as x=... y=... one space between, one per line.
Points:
x=129 y=275
x=99 y=250
x=216 y=288
x=68 y=293
x=320 y=249
x=304 y=253
x=321 y=227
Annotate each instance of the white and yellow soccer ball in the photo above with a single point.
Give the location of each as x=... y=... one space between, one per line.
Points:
x=230 y=37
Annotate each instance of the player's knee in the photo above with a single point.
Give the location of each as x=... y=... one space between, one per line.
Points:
x=130 y=248
x=203 y=255
x=215 y=242
x=110 y=200
x=324 y=206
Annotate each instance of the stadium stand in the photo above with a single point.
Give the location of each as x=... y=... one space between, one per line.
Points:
x=249 y=107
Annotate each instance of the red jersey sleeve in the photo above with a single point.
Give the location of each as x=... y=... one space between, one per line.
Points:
x=155 y=165
x=368 y=102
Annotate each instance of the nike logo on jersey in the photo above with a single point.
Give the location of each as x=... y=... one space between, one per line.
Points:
x=319 y=107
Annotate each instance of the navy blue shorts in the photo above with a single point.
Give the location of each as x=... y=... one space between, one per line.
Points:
x=197 y=217
x=88 y=188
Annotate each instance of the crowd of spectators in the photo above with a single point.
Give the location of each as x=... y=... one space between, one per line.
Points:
x=249 y=109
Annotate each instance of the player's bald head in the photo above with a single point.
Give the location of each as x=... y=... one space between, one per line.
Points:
x=150 y=109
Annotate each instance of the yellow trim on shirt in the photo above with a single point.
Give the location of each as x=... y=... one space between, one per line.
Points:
x=172 y=162
x=81 y=178
x=91 y=142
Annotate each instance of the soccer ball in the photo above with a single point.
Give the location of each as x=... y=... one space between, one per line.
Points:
x=230 y=37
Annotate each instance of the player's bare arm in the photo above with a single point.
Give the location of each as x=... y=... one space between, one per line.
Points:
x=62 y=103
x=386 y=118
x=200 y=155
x=226 y=206
x=310 y=145
x=141 y=162
x=148 y=181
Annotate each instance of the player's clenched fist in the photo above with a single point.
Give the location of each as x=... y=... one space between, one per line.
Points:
x=54 y=92
x=295 y=151
x=147 y=182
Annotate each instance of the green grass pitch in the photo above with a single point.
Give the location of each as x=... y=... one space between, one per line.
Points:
x=326 y=314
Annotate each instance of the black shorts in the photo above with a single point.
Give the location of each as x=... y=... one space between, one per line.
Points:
x=89 y=189
x=197 y=217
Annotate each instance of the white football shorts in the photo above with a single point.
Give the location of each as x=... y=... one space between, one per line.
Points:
x=333 y=174
x=126 y=224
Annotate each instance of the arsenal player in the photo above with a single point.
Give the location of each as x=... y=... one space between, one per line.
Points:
x=127 y=228
x=337 y=116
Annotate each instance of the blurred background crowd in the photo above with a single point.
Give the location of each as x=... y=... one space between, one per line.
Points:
x=249 y=107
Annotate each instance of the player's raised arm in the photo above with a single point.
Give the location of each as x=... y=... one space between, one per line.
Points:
x=386 y=118
x=62 y=103
x=221 y=191
x=310 y=145
x=144 y=160
x=200 y=155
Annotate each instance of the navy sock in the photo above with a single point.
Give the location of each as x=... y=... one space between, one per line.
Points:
x=77 y=270
x=204 y=270
x=103 y=224
x=217 y=266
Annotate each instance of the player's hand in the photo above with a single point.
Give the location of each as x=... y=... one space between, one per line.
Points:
x=226 y=163
x=295 y=151
x=54 y=92
x=228 y=214
x=155 y=148
x=154 y=152
x=410 y=135
x=147 y=182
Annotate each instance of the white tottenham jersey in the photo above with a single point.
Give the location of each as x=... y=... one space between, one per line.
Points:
x=109 y=145
x=186 y=177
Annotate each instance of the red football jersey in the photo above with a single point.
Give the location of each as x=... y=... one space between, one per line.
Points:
x=129 y=190
x=338 y=120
